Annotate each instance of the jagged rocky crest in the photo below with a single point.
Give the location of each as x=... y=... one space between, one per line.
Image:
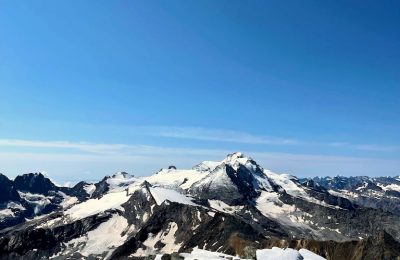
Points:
x=233 y=206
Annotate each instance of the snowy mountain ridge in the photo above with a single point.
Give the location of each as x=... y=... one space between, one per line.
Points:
x=233 y=206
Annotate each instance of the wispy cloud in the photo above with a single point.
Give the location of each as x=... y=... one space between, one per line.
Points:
x=82 y=146
x=229 y=136
x=101 y=148
x=220 y=135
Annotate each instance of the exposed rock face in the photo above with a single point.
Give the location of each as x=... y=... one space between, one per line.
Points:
x=7 y=190
x=222 y=183
x=34 y=183
x=78 y=190
x=101 y=188
x=233 y=206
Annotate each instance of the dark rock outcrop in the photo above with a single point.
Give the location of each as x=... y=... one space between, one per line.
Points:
x=34 y=183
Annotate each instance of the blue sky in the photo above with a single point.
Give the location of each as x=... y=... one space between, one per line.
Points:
x=92 y=87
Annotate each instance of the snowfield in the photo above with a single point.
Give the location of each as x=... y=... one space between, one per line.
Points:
x=173 y=178
x=204 y=254
x=105 y=238
x=162 y=194
x=112 y=200
x=276 y=253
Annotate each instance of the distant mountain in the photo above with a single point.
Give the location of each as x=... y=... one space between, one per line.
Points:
x=374 y=192
x=33 y=194
x=233 y=206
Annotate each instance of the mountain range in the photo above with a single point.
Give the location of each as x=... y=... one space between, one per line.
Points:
x=233 y=207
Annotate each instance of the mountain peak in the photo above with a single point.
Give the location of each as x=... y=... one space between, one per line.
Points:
x=121 y=175
x=235 y=156
x=5 y=178
x=238 y=158
x=34 y=183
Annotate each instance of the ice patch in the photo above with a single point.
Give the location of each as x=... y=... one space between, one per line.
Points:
x=211 y=213
x=308 y=255
x=89 y=189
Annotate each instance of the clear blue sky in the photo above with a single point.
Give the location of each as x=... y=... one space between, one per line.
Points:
x=91 y=87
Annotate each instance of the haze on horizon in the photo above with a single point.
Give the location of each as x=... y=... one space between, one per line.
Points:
x=91 y=88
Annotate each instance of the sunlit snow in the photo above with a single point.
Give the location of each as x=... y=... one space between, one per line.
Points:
x=162 y=194
x=94 y=206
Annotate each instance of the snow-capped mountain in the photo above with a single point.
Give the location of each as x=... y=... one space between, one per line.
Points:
x=233 y=206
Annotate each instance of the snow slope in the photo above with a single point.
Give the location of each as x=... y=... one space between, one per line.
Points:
x=106 y=237
x=112 y=200
x=173 y=178
x=276 y=253
x=162 y=194
x=201 y=254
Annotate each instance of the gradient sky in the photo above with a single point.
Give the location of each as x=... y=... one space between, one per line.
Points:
x=88 y=88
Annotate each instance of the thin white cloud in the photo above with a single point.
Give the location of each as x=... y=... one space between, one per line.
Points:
x=101 y=148
x=220 y=135
x=82 y=146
